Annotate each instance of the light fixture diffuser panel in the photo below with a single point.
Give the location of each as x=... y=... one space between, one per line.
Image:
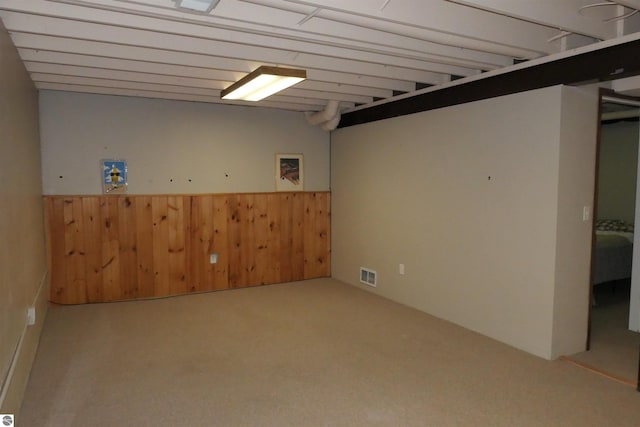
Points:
x=197 y=5
x=246 y=90
x=279 y=83
x=263 y=82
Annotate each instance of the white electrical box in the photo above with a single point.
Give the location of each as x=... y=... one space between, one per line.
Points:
x=31 y=316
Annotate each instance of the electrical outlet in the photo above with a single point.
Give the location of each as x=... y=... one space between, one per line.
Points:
x=213 y=258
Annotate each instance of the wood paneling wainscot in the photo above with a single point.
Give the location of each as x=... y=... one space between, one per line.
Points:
x=123 y=247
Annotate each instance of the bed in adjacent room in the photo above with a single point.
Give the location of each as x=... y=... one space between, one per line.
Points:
x=614 y=250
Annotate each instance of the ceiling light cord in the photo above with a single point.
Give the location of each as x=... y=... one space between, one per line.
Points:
x=564 y=34
x=592 y=5
x=609 y=3
x=625 y=16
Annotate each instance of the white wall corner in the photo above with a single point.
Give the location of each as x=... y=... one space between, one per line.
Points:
x=576 y=187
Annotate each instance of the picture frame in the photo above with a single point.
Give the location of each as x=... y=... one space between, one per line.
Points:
x=289 y=172
x=114 y=176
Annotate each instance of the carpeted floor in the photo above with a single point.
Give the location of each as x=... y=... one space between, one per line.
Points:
x=614 y=348
x=313 y=353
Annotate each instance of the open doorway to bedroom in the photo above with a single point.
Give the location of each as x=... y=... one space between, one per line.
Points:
x=613 y=325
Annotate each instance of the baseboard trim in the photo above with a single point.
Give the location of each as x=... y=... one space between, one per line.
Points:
x=16 y=381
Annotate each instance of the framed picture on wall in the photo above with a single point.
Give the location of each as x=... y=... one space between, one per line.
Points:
x=289 y=172
x=114 y=177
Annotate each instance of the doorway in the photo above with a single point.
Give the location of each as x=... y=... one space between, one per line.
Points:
x=613 y=320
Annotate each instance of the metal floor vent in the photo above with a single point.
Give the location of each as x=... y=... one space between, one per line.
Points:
x=368 y=277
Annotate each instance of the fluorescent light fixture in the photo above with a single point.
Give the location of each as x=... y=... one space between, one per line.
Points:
x=262 y=82
x=197 y=5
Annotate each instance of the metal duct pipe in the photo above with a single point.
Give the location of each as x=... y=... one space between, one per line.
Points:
x=332 y=123
x=329 y=113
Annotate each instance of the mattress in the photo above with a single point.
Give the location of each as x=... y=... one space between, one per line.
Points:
x=613 y=257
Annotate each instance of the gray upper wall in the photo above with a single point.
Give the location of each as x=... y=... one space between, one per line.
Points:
x=173 y=147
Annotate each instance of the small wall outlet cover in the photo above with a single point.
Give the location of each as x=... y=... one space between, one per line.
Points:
x=213 y=258
x=31 y=316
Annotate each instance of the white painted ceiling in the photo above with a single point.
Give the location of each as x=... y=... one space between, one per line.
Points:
x=354 y=51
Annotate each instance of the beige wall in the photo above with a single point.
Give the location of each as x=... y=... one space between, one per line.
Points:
x=220 y=148
x=576 y=181
x=22 y=253
x=467 y=198
x=617 y=171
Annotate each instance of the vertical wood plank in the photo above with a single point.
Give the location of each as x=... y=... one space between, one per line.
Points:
x=247 y=247
x=234 y=226
x=297 y=233
x=201 y=242
x=177 y=224
x=74 y=250
x=323 y=235
x=285 y=236
x=93 y=248
x=317 y=244
x=309 y=228
x=162 y=285
x=261 y=273
x=144 y=244
x=220 y=243
x=57 y=258
x=327 y=234
x=128 y=247
x=188 y=246
x=110 y=249
x=274 y=221
x=209 y=235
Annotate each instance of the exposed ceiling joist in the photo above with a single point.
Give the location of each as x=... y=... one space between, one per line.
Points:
x=360 y=52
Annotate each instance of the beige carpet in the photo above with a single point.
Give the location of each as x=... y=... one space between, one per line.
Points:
x=313 y=353
x=614 y=348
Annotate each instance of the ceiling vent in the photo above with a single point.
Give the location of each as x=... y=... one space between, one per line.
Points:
x=204 y=6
